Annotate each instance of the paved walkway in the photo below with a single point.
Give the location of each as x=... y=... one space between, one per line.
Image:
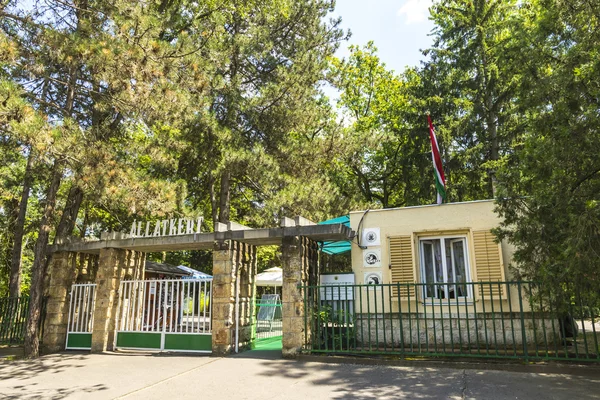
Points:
x=262 y=375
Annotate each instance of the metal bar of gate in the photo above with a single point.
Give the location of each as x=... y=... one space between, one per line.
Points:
x=168 y=307
x=81 y=314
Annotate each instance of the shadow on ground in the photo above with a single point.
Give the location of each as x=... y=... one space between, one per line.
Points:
x=26 y=369
x=353 y=381
x=259 y=354
x=29 y=392
x=23 y=370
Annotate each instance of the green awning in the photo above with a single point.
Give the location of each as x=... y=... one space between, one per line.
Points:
x=337 y=247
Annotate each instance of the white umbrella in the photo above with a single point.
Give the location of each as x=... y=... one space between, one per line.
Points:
x=270 y=277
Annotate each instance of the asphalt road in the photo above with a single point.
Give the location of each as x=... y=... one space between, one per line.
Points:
x=263 y=375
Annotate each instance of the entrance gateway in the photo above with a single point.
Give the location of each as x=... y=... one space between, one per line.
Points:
x=172 y=315
x=121 y=310
x=81 y=316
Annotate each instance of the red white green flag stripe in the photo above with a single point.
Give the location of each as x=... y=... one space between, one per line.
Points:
x=440 y=179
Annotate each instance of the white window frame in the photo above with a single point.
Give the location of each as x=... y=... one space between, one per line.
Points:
x=421 y=253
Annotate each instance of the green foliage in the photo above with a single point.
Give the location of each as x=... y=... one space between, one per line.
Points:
x=335 y=328
x=267 y=257
x=385 y=145
x=551 y=184
x=246 y=153
x=173 y=109
x=470 y=79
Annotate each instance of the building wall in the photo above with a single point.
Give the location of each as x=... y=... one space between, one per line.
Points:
x=445 y=332
x=425 y=220
x=462 y=219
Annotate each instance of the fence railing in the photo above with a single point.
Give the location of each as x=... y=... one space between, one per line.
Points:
x=13 y=319
x=173 y=306
x=473 y=319
x=269 y=321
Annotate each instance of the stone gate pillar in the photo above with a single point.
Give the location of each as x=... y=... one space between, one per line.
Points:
x=114 y=265
x=234 y=271
x=246 y=287
x=299 y=258
x=62 y=273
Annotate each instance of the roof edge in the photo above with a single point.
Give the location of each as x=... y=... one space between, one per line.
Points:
x=423 y=206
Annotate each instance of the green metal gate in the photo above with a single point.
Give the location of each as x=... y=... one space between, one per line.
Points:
x=81 y=316
x=165 y=315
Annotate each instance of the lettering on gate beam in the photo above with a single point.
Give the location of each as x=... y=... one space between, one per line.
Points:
x=166 y=227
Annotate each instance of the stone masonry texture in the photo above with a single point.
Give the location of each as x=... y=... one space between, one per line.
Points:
x=114 y=265
x=299 y=261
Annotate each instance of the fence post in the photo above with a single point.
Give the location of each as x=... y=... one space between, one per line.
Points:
x=523 y=333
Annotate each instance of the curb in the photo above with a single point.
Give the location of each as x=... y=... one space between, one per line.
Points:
x=537 y=368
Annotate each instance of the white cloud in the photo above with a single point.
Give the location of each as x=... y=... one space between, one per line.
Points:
x=416 y=11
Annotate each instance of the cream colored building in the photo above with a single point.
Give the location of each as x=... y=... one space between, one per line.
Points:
x=434 y=276
x=405 y=234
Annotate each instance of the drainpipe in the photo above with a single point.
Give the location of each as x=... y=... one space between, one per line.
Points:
x=237 y=311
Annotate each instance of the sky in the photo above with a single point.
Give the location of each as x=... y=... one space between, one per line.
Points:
x=399 y=28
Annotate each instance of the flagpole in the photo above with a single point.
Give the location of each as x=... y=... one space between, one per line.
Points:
x=440 y=178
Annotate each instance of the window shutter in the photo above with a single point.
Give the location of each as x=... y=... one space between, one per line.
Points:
x=401 y=263
x=488 y=263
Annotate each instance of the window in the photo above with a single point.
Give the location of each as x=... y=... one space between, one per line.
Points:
x=444 y=267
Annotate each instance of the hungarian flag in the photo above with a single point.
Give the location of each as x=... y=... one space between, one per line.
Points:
x=440 y=179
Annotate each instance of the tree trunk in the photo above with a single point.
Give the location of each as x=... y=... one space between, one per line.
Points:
x=19 y=230
x=69 y=215
x=494 y=151
x=84 y=225
x=32 y=342
x=490 y=115
x=213 y=202
x=224 y=200
x=11 y=207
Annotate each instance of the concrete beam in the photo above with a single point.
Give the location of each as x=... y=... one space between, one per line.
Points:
x=220 y=227
x=287 y=222
x=114 y=235
x=301 y=221
x=205 y=241
x=234 y=226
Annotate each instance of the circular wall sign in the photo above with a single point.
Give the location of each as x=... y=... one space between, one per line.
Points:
x=371 y=237
x=371 y=258
x=373 y=278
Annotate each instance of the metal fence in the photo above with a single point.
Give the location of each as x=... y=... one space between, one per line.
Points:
x=173 y=315
x=13 y=319
x=269 y=321
x=174 y=306
x=474 y=319
x=81 y=316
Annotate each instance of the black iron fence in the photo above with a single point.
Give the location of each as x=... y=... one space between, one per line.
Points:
x=474 y=319
x=13 y=319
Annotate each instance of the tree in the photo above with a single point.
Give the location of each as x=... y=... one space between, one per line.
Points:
x=385 y=144
x=550 y=186
x=92 y=68
x=471 y=79
x=269 y=58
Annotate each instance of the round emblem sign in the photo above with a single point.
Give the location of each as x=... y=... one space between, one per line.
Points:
x=373 y=278
x=371 y=258
x=371 y=237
